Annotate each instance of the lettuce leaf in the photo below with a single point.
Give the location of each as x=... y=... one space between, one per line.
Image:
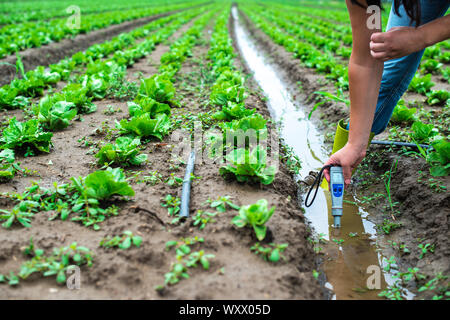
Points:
x=159 y=89
x=144 y=126
x=248 y=166
x=103 y=184
x=149 y=105
x=55 y=115
x=124 y=153
x=22 y=135
x=256 y=215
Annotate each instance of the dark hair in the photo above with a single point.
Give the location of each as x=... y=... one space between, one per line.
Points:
x=412 y=8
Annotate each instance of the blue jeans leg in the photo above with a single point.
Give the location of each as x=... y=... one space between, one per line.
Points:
x=398 y=73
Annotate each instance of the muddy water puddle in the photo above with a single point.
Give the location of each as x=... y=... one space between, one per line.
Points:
x=350 y=257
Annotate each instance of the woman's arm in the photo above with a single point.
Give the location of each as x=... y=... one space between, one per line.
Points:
x=402 y=41
x=364 y=74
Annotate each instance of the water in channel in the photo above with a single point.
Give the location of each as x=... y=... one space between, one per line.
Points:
x=348 y=264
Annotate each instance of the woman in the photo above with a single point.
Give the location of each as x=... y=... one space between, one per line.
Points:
x=375 y=89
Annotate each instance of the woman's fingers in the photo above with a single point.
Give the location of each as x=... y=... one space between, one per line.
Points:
x=326 y=173
x=347 y=170
x=377 y=47
x=378 y=37
x=380 y=55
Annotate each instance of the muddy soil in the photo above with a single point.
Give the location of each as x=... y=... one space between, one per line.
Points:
x=54 y=52
x=235 y=272
x=424 y=213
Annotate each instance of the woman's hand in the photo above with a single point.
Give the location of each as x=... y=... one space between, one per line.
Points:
x=349 y=157
x=396 y=43
x=402 y=41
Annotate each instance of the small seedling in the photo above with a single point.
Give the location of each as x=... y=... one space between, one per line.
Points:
x=185 y=259
x=393 y=292
x=174 y=181
x=387 y=226
x=271 y=252
x=399 y=246
x=222 y=203
x=172 y=204
x=152 y=179
x=182 y=247
x=425 y=248
x=411 y=274
x=202 y=218
x=122 y=242
x=391 y=263
x=338 y=241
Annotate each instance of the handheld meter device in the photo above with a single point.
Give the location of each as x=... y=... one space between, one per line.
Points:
x=337 y=194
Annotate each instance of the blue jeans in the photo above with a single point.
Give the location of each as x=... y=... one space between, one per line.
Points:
x=398 y=73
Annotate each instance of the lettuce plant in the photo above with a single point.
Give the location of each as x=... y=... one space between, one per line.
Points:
x=253 y=122
x=255 y=215
x=422 y=132
x=149 y=105
x=124 y=153
x=248 y=166
x=144 y=126
x=55 y=115
x=26 y=135
x=232 y=111
x=431 y=65
x=7 y=166
x=421 y=84
x=440 y=158
x=439 y=97
x=78 y=95
x=103 y=184
x=403 y=114
x=159 y=89
x=224 y=92
x=8 y=96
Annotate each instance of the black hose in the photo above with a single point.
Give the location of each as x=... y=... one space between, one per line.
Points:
x=186 y=192
x=399 y=144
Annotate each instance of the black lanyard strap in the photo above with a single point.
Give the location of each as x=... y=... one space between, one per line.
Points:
x=317 y=184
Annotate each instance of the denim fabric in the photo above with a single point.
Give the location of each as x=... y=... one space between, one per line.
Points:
x=398 y=73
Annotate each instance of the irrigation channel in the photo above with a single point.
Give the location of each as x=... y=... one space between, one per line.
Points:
x=348 y=264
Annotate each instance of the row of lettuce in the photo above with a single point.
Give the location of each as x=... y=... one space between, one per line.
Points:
x=17 y=37
x=245 y=162
x=23 y=11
